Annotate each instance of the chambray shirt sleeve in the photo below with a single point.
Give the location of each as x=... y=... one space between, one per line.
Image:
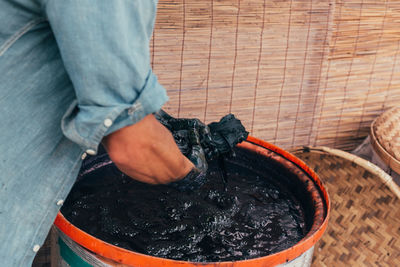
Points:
x=104 y=45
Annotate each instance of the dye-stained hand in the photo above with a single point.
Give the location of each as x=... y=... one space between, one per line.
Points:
x=191 y=136
x=147 y=152
x=201 y=143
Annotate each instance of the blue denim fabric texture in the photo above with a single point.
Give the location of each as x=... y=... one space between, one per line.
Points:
x=71 y=72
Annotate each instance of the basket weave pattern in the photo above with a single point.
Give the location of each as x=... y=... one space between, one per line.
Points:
x=364 y=227
x=295 y=72
x=385 y=132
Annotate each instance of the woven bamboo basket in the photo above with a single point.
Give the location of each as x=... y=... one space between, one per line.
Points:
x=385 y=138
x=296 y=72
x=364 y=228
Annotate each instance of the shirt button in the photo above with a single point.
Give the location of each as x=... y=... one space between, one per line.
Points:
x=60 y=202
x=84 y=155
x=91 y=152
x=135 y=107
x=108 y=122
x=36 y=248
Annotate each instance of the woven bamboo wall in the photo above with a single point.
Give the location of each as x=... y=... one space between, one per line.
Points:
x=296 y=72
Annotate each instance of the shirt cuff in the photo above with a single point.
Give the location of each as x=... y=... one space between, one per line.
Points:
x=87 y=125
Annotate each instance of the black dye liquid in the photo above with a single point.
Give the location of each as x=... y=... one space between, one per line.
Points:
x=241 y=216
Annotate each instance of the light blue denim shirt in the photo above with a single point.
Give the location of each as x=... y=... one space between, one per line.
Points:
x=71 y=72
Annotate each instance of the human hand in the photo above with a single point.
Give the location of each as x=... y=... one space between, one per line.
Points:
x=147 y=152
x=191 y=136
x=202 y=143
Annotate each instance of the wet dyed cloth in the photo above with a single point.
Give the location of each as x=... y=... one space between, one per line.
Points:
x=71 y=72
x=202 y=143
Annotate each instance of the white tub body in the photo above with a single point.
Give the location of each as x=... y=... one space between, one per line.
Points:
x=304 y=260
x=68 y=253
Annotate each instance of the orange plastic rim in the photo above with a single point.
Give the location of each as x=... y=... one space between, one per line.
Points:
x=131 y=258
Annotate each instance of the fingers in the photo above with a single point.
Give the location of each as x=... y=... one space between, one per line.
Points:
x=191 y=136
x=194 y=180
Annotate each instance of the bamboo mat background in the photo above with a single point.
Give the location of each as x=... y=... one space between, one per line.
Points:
x=295 y=72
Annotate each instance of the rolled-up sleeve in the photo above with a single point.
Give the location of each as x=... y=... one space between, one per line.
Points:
x=104 y=45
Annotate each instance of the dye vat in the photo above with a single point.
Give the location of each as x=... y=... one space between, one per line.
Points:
x=270 y=211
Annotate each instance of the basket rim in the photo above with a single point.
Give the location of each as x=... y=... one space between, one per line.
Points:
x=369 y=166
x=386 y=157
